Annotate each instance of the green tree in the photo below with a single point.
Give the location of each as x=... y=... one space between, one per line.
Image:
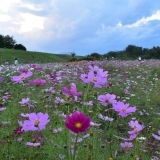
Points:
x=9 y=42
x=20 y=47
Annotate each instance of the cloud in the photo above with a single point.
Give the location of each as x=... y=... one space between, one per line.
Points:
x=82 y=26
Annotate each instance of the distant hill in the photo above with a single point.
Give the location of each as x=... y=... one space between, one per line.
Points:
x=8 y=55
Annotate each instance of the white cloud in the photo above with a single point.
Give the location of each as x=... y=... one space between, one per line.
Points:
x=29 y=22
x=143 y=21
x=4 y=18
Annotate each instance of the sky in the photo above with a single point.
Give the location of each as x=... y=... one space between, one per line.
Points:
x=81 y=26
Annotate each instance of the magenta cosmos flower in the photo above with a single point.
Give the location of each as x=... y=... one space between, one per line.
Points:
x=107 y=99
x=37 y=82
x=35 y=122
x=72 y=91
x=77 y=122
x=21 y=77
x=123 y=109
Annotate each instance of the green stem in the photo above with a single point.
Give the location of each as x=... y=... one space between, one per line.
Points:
x=75 y=147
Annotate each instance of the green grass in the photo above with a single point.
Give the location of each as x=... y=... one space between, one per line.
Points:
x=8 y=55
x=143 y=83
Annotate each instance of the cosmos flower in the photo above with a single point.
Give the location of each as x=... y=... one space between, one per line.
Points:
x=18 y=131
x=24 y=101
x=72 y=91
x=107 y=99
x=157 y=136
x=126 y=145
x=33 y=144
x=2 y=108
x=77 y=122
x=97 y=80
x=123 y=109
x=98 y=71
x=38 y=137
x=136 y=128
x=36 y=67
x=37 y=82
x=21 y=77
x=35 y=122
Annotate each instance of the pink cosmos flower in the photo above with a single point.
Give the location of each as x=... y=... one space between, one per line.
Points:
x=38 y=137
x=84 y=78
x=58 y=100
x=77 y=122
x=21 y=77
x=33 y=144
x=72 y=91
x=36 y=67
x=123 y=109
x=136 y=129
x=126 y=145
x=97 y=80
x=107 y=99
x=25 y=101
x=23 y=70
x=37 y=82
x=2 y=108
x=98 y=71
x=157 y=136
x=35 y=122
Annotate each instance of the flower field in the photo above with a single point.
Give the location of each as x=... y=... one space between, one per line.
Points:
x=97 y=110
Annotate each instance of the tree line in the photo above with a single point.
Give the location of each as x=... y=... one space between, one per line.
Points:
x=131 y=52
x=10 y=43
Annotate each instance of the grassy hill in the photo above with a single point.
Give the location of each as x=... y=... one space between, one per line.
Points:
x=8 y=55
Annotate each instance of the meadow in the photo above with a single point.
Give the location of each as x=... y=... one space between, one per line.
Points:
x=8 y=55
x=87 y=110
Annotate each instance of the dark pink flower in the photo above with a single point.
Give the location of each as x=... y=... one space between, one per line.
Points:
x=37 y=82
x=107 y=99
x=72 y=91
x=36 y=122
x=77 y=122
x=123 y=109
x=18 y=131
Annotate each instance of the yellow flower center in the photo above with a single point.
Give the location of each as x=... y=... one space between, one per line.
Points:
x=21 y=77
x=123 y=109
x=36 y=122
x=95 y=79
x=78 y=125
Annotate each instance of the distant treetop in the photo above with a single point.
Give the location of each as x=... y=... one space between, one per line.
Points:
x=9 y=42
